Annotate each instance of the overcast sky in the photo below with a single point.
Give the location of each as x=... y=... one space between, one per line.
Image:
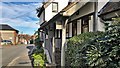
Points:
x=21 y=15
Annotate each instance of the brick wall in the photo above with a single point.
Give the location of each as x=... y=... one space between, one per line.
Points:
x=9 y=35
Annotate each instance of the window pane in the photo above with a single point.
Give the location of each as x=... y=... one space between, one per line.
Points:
x=85 y=24
x=55 y=7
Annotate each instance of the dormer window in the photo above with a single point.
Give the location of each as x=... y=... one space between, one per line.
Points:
x=54 y=7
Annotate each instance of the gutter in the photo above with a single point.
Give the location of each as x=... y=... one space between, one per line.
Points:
x=52 y=19
x=45 y=5
x=59 y=14
x=62 y=12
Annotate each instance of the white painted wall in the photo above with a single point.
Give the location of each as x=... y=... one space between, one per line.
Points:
x=101 y=26
x=85 y=10
x=78 y=26
x=62 y=4
x=91 y=24
x=70 y=30
x=41 y=19
x=48 y=11
x=101 y=4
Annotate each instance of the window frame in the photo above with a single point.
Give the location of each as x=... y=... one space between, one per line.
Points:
x=58 y=34
x=74 y=28
x=53 y=6
x=85 y=23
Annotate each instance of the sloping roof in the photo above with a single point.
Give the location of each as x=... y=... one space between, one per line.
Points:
x=45 y=4
x=110 y=7
x=110 y=10
x=7 y=27
x=51 y=20
x=61 y=13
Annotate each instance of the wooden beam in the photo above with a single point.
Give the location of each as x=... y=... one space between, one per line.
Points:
x=63 y=43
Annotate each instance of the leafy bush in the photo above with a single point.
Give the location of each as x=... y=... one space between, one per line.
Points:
x=39 y=57
x=102 y=51
x=74 y=44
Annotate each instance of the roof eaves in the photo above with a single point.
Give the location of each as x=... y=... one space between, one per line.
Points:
x=52 y=19
x=59 y=14
x=69 y=6
x=45 y=5
x=101 y=12
x=7 y=27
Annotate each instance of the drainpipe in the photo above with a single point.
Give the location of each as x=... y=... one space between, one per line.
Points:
x=95 y=24
x=63 y=43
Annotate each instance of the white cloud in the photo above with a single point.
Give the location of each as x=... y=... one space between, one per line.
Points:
x=0 y=10
x=19 y=13
x=22 y=0
x=17 y=10
x=19 y=23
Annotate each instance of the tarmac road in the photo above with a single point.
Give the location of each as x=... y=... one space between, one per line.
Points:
x=15 y=56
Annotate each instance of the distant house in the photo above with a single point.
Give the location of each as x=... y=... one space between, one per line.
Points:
x=8 y=33
x=23 y=38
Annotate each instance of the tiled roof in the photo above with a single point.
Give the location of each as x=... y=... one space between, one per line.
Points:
x=7 y=27
x=110 y=7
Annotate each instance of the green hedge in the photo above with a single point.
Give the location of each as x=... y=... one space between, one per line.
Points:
x=74 y=44
x=102 y=51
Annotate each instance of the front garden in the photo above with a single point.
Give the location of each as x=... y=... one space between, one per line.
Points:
x=95 y=49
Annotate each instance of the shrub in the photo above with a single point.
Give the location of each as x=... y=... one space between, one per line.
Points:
x=39 y=57
x=74 y=44
x=102 y=51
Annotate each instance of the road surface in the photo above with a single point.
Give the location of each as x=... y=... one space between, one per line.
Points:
x=15 y=56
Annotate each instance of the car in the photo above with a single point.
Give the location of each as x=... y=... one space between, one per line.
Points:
x=6 y=42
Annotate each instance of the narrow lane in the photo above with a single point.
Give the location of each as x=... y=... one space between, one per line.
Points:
x=12 y=53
